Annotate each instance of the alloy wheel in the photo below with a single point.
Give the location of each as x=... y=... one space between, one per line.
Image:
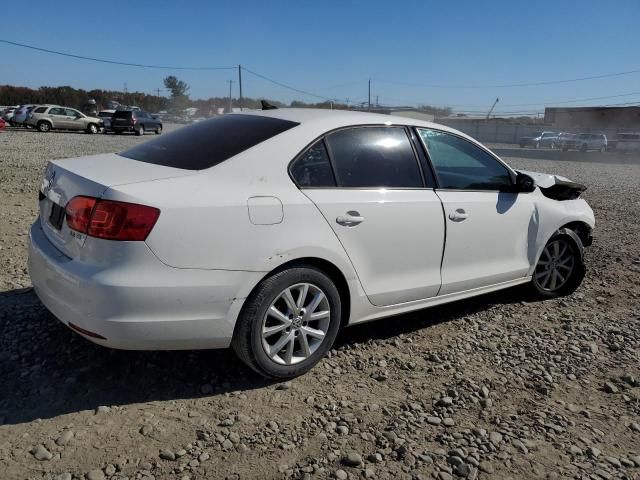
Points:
x=555 y=266
x=296 y=324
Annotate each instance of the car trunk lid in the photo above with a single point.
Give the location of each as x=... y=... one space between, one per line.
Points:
x=88 y=176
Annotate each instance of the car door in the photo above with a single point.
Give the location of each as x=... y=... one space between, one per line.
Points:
x=72 y=120
x=372 y=191
x=489 y=229
x=57 y=116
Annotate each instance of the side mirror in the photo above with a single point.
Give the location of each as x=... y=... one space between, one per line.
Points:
x=524 y=183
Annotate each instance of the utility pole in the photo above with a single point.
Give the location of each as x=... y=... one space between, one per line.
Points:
x=377 y=104
x=157 y=92
x=240 y=85
x=369 y=102
x=230 y=102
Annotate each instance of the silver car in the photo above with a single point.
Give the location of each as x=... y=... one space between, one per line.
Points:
x=591 y=141
x=50 y=117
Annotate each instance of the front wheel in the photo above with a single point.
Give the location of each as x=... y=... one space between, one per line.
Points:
x=603 y=149
x=560 y=269
x=158 y=129
x=288 y=323
x=92 y=128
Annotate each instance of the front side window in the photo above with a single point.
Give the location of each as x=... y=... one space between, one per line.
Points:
x=374 y=157
x=71 y=113
x=313 y=168
x=461 y=165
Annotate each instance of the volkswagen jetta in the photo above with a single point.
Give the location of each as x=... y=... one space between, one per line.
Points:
x=270 y=230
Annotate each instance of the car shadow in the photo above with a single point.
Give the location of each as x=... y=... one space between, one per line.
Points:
x=47 y=370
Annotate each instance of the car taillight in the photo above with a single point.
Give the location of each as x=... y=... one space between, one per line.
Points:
x=133 y=120
x=111 y=220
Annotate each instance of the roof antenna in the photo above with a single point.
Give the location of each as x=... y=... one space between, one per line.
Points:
x=267 y=106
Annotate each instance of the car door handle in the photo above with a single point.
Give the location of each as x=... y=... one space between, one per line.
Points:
x=458 y=216
x=350 y=219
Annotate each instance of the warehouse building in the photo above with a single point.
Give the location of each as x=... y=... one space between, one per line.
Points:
x=593 y=117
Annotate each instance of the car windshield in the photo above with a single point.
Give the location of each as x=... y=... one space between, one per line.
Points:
x=209 y=142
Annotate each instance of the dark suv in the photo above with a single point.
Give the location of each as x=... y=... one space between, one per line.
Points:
x=135 y=121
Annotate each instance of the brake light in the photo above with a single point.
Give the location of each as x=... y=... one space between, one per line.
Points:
x=78 y=213
x=133 y=120
x=109 y=219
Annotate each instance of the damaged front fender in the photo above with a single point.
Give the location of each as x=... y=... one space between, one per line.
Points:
x=556 y=187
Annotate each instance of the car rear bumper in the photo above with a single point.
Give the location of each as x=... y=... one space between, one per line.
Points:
x=144 y=306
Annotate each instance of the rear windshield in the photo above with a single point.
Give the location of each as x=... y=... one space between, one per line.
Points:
x=209 y=142
x=122 y=114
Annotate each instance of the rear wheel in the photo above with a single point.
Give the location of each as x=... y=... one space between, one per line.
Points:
x=288 y=323
x=560 y=268
x=603 y=149
x=158 y=129
x=44 y=127
x=140 y=130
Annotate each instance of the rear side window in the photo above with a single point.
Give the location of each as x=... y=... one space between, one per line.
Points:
x=374 y=157
x=40 y=110
x=313 y=168
x=208 y=143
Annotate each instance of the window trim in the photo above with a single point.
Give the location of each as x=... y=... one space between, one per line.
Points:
x=323 y=138
x=510 y=170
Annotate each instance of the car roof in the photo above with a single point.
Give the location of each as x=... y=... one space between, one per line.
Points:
x=327 y=120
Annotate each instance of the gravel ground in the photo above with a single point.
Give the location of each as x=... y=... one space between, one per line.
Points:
x=499 y=386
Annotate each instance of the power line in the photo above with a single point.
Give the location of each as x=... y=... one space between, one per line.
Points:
x=513 y=85
x=275 y=82
x=112 y=62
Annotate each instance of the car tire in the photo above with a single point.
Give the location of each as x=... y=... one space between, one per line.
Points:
x=583 y=147
x=140 y=130
x=288 y=343
x=44 y=127
x=92 y=128
x=537 y=145
x=158 y=129
x=560 y=268
x=553 y=145
x=603 y=149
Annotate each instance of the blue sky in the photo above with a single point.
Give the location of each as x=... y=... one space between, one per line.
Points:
x=333 y=47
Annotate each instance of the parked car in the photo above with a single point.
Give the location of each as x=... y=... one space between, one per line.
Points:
x=136 y=121
x=625 y=142
x=540 y=139
x=8 y=114
x=106 y=115
x=20 y=115
x=567 y=141
x=591 y=141
x=55 y=117
x=269 y=231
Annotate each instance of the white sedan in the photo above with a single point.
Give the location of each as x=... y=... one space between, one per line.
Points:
x=270 y=230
